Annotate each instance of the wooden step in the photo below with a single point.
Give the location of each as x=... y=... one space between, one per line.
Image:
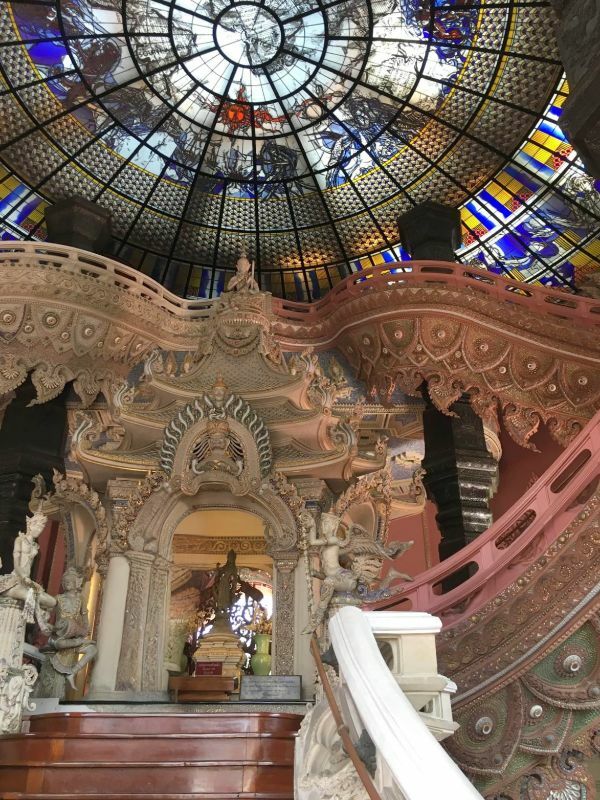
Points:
x=119 y=748
x=226 y=722
x=112 y=756
x=143 y=778
x=147 y=796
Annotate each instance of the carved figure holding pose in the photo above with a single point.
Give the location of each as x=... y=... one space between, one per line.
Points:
x=19 y=584
x=69 y=634
x=334 y=576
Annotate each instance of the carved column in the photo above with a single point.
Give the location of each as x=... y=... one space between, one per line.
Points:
x=16 y=679
x=431 y=231
x=131 y=661
x=31 y=441
x=579 y=46
x=110 y=628
x=154 y=674
x=12 y=631
x=304 y=664
x=283 y=614
x=460 y=474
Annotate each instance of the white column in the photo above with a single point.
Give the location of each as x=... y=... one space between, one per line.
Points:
x=110 y=627
x=12 y=631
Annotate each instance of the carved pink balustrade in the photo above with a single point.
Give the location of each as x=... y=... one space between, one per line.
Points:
x=442 y=273
x=514 y=542
x=382 y=277
x=80 y=262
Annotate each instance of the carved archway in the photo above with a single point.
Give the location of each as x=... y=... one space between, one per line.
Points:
x=145 y=629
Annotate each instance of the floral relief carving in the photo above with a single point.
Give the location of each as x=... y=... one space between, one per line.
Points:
x=153 y=639
x=527 y=705
x=126 y=514
x=518 y=362
x=129 y=673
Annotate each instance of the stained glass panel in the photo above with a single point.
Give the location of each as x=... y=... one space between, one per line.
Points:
x=302 y=128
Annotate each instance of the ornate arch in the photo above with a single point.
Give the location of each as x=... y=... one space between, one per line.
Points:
x=216 y=406
x=72 y=493
x=150 y=539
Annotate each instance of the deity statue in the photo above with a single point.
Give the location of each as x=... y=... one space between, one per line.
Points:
x=350 y=564
x=243 y=280
x=216 y=398
x=68 y=637
x=225 y=587
x=19 y=584
x=189 y=648
x=218 y=450
x=336 y=372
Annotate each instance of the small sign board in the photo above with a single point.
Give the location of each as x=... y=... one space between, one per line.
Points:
x=263 y=688
x=209 y=667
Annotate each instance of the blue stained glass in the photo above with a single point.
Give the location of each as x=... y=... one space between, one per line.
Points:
x=488 y=198
x=217 y=118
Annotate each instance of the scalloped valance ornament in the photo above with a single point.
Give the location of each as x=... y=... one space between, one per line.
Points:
x=218 y=404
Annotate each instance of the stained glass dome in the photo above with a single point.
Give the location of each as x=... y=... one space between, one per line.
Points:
x=297 y=129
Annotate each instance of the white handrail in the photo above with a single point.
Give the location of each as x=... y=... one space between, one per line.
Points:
x=411 y=764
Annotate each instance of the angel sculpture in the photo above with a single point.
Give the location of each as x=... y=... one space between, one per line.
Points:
x=349 y=565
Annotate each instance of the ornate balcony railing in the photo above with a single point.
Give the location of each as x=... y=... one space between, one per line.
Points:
x=499 y=556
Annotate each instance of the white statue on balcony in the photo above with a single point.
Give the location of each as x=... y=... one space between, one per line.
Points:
x=243 y=280
x=22 y=600
x=18 y=584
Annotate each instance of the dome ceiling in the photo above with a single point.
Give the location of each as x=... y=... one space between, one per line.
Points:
x=297 y=129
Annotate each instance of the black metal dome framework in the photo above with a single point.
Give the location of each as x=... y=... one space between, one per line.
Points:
x=298 y=129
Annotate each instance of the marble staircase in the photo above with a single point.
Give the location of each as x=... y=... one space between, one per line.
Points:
x=155 y=756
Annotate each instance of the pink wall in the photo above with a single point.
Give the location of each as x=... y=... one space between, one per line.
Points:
x=51 y=559
x=423 y=530
x=520 y=468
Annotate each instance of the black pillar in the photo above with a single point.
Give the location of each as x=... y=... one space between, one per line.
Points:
x=79 y=223
x=31 y=440
x=578 y=38
x=430 y=231
x=460 y=475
